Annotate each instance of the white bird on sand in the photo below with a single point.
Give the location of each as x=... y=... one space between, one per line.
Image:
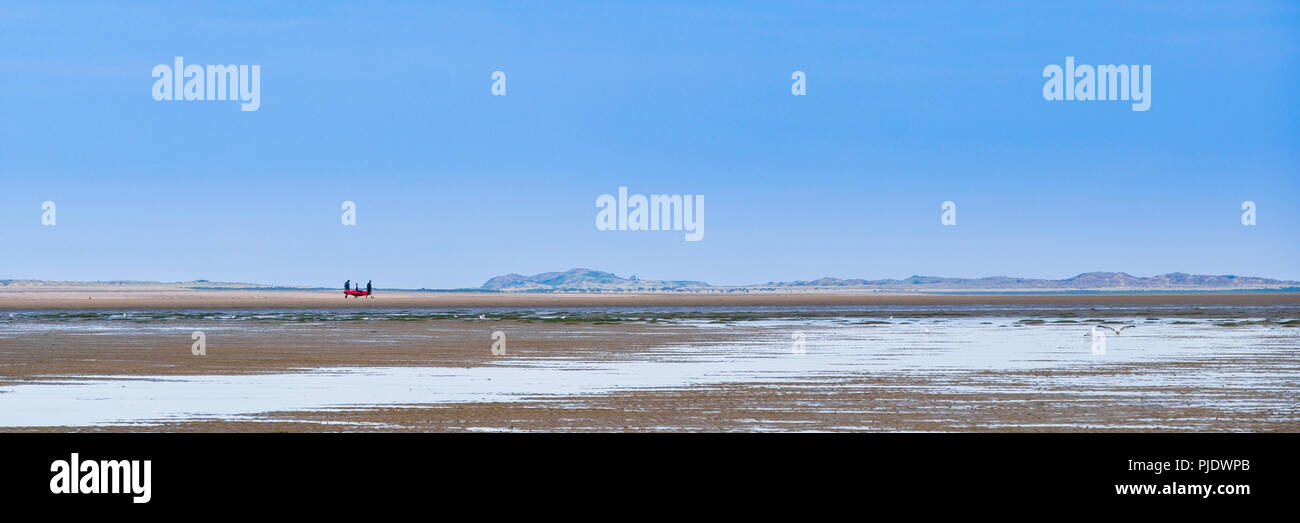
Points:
x=1112 y=329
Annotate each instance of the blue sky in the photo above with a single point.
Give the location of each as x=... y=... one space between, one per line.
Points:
x=389 y=105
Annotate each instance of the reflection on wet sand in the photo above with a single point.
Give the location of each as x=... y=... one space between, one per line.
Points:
x=864 y=368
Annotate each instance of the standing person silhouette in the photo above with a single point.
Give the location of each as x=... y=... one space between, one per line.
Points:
x=367 y=288
x=347 y=285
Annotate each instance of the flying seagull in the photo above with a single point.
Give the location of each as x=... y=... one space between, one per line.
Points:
x=1112 y=329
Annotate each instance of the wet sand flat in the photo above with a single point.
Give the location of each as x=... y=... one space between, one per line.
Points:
x=286 y=347
x=839 y=404
x=999 y=364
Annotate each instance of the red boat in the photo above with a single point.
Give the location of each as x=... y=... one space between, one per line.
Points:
x=348 y=290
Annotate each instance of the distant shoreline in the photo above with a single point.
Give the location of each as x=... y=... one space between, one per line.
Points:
x=588 y=281
x=101 y=298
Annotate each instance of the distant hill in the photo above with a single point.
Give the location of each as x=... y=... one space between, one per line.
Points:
x=584 y=280
x=587 y=280
x=1085 y=281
